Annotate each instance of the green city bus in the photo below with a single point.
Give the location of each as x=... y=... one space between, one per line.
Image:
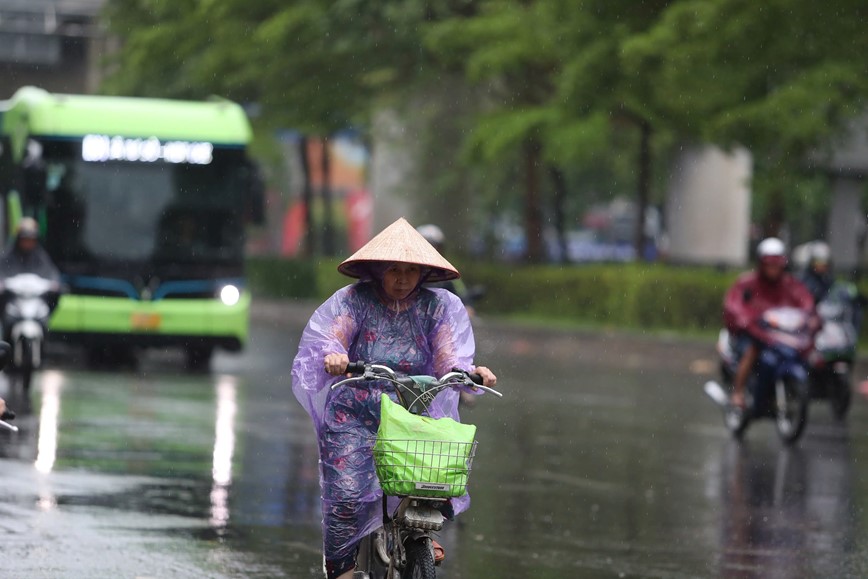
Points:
x=143 y=205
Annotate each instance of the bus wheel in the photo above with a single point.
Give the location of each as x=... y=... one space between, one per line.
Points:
x=199 y=357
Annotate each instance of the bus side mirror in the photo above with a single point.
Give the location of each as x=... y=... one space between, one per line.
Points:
x=255 y=196
x=35 y=179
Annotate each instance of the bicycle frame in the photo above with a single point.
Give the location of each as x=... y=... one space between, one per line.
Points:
x=382 y=554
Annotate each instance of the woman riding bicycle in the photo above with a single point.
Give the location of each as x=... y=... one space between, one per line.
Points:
x=388 y=318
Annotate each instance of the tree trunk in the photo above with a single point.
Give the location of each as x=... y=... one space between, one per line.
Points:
x=560 y=184
x=532 y=209
x=328 y=220
x=642 y=188
x=776 y=213
x=307 y=199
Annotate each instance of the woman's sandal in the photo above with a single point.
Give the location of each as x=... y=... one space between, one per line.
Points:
x=439 y=552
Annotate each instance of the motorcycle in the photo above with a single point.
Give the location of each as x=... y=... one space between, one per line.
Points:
x=7 y=414
x=778 y=387
x=402 y=548
x=27 y=300
x=835 y=348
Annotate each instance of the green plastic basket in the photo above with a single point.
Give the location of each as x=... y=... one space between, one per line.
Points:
x=422 y=456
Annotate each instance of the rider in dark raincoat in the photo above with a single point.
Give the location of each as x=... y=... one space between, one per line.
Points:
x=25 y=255
x=753 y=293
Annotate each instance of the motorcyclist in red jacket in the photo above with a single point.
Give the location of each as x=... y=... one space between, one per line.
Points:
x=754 y=292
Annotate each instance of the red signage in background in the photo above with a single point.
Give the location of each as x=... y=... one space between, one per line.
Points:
x=360 y=218
x=351 y=203
x=293 y=230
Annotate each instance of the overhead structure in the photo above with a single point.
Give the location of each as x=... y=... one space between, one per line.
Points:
x=56 y=44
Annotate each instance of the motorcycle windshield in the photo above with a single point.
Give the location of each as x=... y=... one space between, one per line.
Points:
x=788 y=327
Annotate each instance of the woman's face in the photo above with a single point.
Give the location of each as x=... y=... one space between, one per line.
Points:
x=400 y=279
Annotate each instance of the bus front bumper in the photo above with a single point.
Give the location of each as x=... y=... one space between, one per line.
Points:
x=162 y=323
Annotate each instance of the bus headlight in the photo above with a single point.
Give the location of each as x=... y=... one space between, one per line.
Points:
x=230 y=295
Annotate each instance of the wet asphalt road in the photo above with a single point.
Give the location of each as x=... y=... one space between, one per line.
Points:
x=604 y=460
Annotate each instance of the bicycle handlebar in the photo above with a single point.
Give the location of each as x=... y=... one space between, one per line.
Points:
x=8 y=415
x=457 y=377
x=356 y=368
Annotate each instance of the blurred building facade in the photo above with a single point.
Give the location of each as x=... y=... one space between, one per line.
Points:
x=57 y=45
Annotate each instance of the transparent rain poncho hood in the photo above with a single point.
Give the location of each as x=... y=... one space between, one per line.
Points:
x=427 y=333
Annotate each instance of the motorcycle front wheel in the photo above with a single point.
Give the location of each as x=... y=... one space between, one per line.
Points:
x=420 y=559
x=791 y=409
x=25 y=370
x=839 y=395
x=736 y=420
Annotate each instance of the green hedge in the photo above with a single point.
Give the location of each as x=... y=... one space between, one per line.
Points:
x=652 y=296
x=635 y=296
x=618 y=295
x=282 y=278
x=276 y=277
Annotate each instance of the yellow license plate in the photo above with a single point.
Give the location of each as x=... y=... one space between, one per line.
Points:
x=145 y=321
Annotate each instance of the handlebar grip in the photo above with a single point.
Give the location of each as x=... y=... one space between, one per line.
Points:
x=475 y=378
x=356 y=367
x=7 y=415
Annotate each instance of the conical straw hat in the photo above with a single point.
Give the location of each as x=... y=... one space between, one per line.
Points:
x=402 y=243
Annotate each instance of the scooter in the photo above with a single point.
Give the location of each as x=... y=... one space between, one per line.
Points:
x=402 y=548
x=835 y=348
x=27 y=298
x=7 y=414
x=778 y=388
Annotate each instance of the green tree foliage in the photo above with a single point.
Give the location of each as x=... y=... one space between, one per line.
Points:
x=559 y=85
x=561 y=81
x=780 y=77
x=315 y=65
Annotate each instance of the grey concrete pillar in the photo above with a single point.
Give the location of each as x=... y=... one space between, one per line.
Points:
x=393 y=168
x=708 y=209
x=846 y=223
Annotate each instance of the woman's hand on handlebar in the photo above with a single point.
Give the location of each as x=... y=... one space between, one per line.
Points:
x=336 y=364
x=488 y=377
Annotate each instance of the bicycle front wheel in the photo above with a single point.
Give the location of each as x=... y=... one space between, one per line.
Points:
x=420 y=559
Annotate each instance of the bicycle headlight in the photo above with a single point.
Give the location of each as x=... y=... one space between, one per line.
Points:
x=230 y=295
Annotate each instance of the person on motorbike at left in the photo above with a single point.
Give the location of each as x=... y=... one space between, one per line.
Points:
x=817 y=275
x=26 y=255
x=754 y=292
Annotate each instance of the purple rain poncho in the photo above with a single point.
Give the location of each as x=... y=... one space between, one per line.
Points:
x=429 y=333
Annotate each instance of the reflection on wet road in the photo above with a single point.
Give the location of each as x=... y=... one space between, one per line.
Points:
x=605 y=460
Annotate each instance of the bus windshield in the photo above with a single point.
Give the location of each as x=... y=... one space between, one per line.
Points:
x=134 y=212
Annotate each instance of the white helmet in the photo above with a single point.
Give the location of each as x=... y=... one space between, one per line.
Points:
x=28 y=228
x=432 y=234
x=771 y=247
x=819 y=252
